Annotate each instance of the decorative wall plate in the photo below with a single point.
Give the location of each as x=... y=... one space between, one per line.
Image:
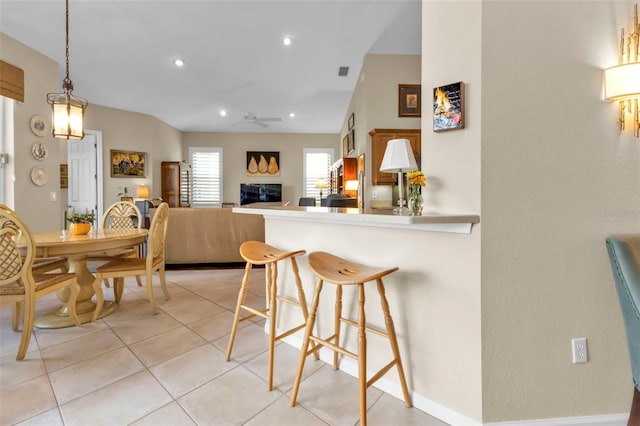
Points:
x=39 y=150
x=39 y=126
x=39 y=176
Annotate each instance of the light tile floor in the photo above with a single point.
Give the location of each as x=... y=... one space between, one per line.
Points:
x=133 y=367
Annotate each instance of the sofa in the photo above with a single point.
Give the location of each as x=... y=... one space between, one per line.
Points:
x=339 y=200
x=209 y=235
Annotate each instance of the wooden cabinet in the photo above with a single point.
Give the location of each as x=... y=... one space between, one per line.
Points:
x=341 y=171
x=379 y=139
x=176 y=183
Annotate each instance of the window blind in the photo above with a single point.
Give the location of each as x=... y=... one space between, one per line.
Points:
x=206 y=172
x=317 y=162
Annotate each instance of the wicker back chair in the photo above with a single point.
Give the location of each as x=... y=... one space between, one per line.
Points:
x=120 y=268
x=18 y=284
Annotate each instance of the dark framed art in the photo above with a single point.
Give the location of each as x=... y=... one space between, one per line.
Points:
x=345 y=145
x=409 y=100
x=351 y=121
x=352 y=142
x=448 y=107
x=128 y=164
x=263 y=163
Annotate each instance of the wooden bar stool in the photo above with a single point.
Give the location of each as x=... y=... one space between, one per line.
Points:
x=342 y=272
x=259 y=253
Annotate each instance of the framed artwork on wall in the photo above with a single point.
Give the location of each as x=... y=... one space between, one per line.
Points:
x=352 y=142
x=263 y=163
x=409 y=100
x=448 y=107
x=345 y=145
x=351 y=121
x=128 y=164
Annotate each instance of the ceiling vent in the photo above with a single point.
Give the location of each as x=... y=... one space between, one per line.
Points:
x=343 y=71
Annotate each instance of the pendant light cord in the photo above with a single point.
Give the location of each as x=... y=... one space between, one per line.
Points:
x=68 y=86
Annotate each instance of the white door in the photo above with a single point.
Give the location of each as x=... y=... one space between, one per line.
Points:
x=82 y=158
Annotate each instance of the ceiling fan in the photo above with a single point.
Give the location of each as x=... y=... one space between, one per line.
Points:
x=251 y=118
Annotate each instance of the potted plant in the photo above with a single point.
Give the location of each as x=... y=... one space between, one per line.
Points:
x=124 y=193
x=80 y=222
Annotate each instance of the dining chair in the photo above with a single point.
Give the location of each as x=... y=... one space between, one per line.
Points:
x=18 y=283
x=120 y=268
x=624 y=256
x=307 y=201
x=120 y=215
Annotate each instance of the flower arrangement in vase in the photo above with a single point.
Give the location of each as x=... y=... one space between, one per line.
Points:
x=80 y=222
x=416 y=181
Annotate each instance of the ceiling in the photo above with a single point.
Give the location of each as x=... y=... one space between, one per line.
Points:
x=122 y=52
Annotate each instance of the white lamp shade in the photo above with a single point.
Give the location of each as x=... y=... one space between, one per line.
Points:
x=622 y=82
x=142 y=191
x=351 y=185
x=398 y=157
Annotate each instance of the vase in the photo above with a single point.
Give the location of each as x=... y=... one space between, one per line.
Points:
x=415 y=203
x=80 y=228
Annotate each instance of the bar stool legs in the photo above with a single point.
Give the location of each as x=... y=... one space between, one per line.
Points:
x=258 y=253
x=341 y=272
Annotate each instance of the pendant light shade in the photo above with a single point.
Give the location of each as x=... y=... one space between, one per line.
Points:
x=68 y=110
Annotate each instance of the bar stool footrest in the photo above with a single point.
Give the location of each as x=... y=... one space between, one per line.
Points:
x=289 y=332
x=381 y=373
x=367 y=328
x=326 y=343
x=254 y=312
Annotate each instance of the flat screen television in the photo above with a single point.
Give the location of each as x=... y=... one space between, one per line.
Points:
x=260 y=193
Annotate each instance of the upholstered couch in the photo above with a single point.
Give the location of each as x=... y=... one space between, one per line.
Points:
x=209 y=235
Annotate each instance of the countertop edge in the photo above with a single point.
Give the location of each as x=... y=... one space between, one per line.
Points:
x=428 y=221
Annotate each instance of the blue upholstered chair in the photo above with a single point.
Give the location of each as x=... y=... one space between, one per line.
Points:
x=624 y=255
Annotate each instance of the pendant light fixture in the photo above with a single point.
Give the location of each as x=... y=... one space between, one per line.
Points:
x=68 y=110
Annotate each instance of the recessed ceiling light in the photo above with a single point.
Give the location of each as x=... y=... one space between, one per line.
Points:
x=223 y=112
x=286 y=41
x=178 y=62
x=292 y=114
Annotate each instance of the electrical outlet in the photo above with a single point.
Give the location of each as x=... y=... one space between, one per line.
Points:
x=374 y=194
x=53 y=196
x=579 y=350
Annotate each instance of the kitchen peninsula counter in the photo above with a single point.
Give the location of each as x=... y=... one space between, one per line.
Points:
x=433 y=297
x=381 y=218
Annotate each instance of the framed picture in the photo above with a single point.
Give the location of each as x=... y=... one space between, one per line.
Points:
x=352 y=142
x=128 y=164
x=64 y=182
x=263 y=163
x=64 y=170
x=345 y=145
x=448 y=107
x=409 y=100
x=351 y=121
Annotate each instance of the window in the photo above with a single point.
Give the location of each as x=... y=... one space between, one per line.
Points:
x=316 y=164
x=206 y=176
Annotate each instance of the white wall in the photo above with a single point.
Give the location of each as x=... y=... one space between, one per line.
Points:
x=41 y=77
x=375 y=105
x=235 y=146
x=555 y=169
x=130 y=131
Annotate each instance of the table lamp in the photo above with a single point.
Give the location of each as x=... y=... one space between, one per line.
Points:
x=142 y=192
x=321 y=184
x=398 y=158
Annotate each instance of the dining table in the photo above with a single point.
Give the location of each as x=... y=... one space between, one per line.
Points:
x=76 y=249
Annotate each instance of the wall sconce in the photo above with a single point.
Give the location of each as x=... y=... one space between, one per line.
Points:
x=622 y=82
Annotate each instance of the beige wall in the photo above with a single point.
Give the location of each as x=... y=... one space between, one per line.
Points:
x=130 y=131
x=235 y=146
x=451 y=163
x=375 y=105
x=555 y=170
x=41 y=77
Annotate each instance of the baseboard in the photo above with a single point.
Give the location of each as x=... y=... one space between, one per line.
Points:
x=448 y=415
x=605 y=420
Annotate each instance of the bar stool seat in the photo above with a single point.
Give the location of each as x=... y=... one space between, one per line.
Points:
x=259 y=253
x=341 y=272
